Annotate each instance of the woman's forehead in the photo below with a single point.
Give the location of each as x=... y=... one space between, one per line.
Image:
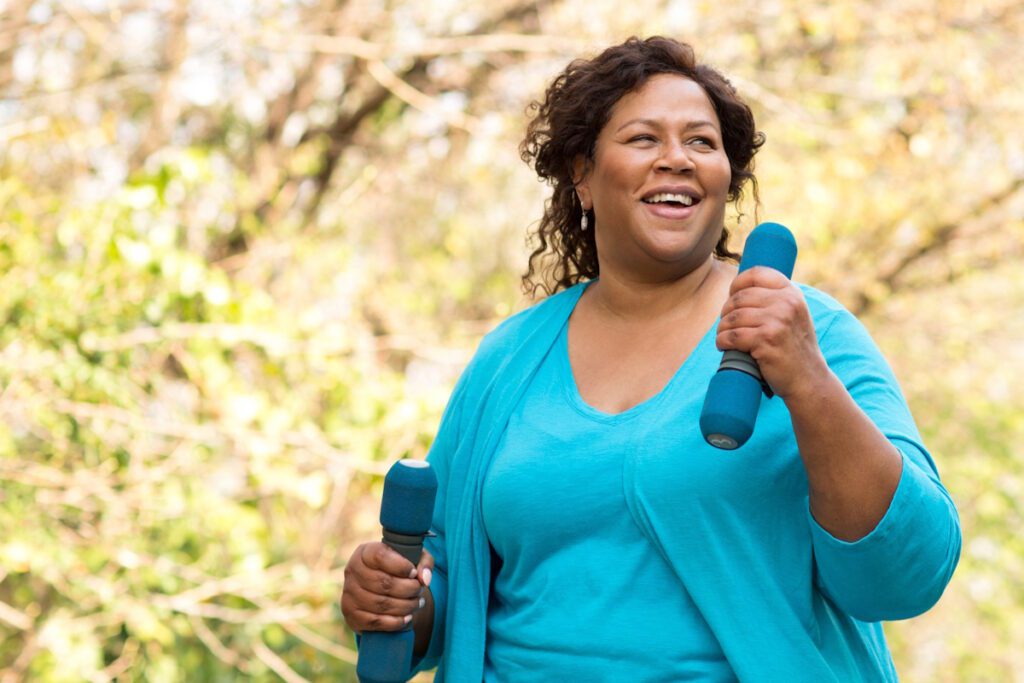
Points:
x=663 y=98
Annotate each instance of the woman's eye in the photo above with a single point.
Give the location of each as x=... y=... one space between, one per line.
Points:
x=704 y=142
x=642 y=138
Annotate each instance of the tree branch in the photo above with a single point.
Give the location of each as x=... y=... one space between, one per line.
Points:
x=430 y=47
x=15 y=617
x=17 y=17
x=344 y=128
x=417 y=99
x=940 y=237
x=276 y=664
x=213 y=644
x=315 y=640
x=166 y=106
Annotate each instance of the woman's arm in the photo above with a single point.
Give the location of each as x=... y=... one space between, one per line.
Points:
x=852 y=469
x=884 y=531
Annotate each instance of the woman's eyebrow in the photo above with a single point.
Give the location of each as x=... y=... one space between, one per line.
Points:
x=699 y=123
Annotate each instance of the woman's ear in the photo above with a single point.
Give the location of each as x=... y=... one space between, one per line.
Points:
x=581 y=180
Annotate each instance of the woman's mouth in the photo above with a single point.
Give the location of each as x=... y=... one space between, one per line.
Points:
x=671 y=205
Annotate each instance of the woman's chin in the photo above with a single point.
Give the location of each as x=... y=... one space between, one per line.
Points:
x=672 y=247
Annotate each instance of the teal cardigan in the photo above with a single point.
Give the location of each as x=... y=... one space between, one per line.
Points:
x=787 y=601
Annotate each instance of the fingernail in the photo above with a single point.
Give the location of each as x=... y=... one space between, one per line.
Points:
x=407 y=619
x=423 y=601
x=412 y=574
x=427 y=574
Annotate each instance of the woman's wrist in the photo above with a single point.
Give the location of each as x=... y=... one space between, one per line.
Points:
x=817 y=389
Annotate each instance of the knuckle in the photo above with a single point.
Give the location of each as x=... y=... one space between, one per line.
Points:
x=350 y=605
x=387 y=583
x=382 y=604
x=357 y=559
x=379 y=552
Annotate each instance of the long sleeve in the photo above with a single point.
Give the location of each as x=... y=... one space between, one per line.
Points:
x=439 y=457
x=901 y=568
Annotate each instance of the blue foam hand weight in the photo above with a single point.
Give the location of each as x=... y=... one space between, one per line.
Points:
x=734 y=395
x=407 y=506
x=406 y=510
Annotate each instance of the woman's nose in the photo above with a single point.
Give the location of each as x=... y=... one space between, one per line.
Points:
x=675 y=158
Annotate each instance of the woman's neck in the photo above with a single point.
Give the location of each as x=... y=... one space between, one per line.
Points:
x=636 y=301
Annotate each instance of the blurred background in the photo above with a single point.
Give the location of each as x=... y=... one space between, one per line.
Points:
x=247 y=247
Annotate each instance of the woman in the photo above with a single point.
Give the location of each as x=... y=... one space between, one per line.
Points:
x=583 y=526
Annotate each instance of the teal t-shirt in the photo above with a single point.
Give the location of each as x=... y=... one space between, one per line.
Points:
x=520 y=467
x=581 y=592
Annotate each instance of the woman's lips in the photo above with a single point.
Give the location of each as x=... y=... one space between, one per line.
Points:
x=671 y=211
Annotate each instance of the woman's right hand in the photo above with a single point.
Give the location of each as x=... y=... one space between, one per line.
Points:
x=383 y=590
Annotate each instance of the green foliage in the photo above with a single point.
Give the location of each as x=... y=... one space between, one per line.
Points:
x=238 y=279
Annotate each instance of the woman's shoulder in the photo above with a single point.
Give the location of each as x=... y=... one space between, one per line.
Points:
x=512 y=333
x=518 y=339
x=833 y=322
x=819 y=302
x=518 y=328
x=824 y=308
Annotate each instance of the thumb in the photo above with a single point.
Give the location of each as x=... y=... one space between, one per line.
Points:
x=425 y=569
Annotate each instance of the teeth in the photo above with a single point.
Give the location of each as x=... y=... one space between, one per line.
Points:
x=684 y=199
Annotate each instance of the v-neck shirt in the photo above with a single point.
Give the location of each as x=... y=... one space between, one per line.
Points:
x=581 y=590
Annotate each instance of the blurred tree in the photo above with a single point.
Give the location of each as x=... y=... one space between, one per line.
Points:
x=245 y=249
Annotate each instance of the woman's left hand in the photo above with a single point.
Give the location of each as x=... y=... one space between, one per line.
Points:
x=766 y=316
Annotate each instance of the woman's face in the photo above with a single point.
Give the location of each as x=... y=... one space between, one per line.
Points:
x=659 y=180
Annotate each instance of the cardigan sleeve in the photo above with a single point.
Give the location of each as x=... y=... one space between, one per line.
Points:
x=900 y=568
x=439 y=457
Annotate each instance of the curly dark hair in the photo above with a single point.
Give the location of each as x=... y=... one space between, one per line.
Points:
x=566 y=124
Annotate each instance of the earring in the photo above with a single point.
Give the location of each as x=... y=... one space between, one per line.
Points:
x=584 y=221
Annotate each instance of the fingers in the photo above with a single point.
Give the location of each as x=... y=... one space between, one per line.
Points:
x=384 y=605
x=751 y=297
x=754 y=339
x=763 y=310
x=380 y=590
x=767 y=316
x=756 y=296
x=365 y=610
x=360 y=621
x=379 y=556
x=754 y=322
x=425 y=569
x=380 y=583
x=378 y=569
x=759 y=276
x=761 y=291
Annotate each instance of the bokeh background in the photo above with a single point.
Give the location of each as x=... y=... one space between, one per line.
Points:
x=246 y=248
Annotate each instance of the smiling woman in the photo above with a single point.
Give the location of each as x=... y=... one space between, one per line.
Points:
x=659 y=179
x=583 y=526
x=570 y=120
